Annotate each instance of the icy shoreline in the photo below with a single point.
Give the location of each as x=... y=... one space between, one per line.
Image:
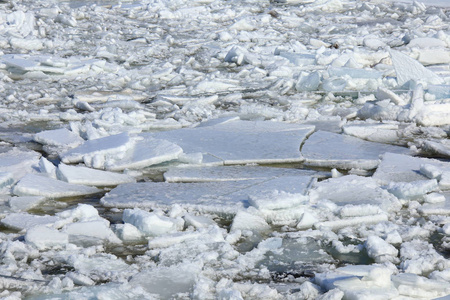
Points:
x=225 y=149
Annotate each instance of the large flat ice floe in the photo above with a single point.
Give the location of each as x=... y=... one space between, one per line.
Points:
x=233 y=141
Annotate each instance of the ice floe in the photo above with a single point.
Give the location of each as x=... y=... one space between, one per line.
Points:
x=327 y=149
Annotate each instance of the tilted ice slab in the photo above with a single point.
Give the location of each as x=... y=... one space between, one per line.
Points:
x=18 y=162
x=145 y=152
x=89 y=150
x=229 y=173
x=218 y=197
x=88 y=176
x=327 y=149
x=36 y=185
x=239 y=142
x=59 y=137
x=120 y=151
x=396 y=167
x=408 y=69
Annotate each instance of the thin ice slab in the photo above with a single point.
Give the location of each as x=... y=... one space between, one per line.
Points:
x=36 y=185
x=440 y=208
x=408 y=69
x=18 y=162
x=358 y=193
x=217 y=197
x=229 y=173
x=24 y=203
x=240 y=142
x=327 y=149
x=146 y=152
x=91 y=177
x=404 y=168
x=24 y=221
x=59 y=137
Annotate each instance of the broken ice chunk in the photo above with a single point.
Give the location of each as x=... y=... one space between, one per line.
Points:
x=6 y=179
x=356 y=191
x=24 y=203
x=376 y=132
x=151 y=224
x=98 y=229
x=114 y=145
x=58 y=137
x=354 y=73
x=21 y=221
x=327 y=149
x=35 y=185
x=18 y=162
x=408 y=69
x=42 y=237
x=145 y=152
x=412 y=190
x=403 y=168
x=379 y=250
x=350 y=222
x=46 y=167
x=247 y=221
x=412 y=285
x=87 y=176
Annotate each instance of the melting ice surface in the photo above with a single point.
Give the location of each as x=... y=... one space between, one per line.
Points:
x=287 y=149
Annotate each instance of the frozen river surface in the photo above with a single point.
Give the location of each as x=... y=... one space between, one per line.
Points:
x=287 y=149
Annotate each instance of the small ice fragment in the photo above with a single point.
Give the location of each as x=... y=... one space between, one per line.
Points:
x=87 y=176
x=26 y=44
x=198 y=221
x=307 y=221
x=43 y=237
x=444 y=181
x=412 y=190
x=247 y=221
x=173 y=238
x=408 y=69
x=434 y=198
x=383 y=93
x=36 y=185
x=151 y=224
x=379 y=250
x=128 y=233
x=46 y=167
x=80 y=279
x=97 y=229
x=431 y=171
x=308 y=82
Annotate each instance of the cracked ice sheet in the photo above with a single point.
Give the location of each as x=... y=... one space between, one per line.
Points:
x=216 y=197
x=240 y=142
x=327 y=149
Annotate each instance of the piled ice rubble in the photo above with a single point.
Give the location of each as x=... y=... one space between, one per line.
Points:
x=133 y=134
